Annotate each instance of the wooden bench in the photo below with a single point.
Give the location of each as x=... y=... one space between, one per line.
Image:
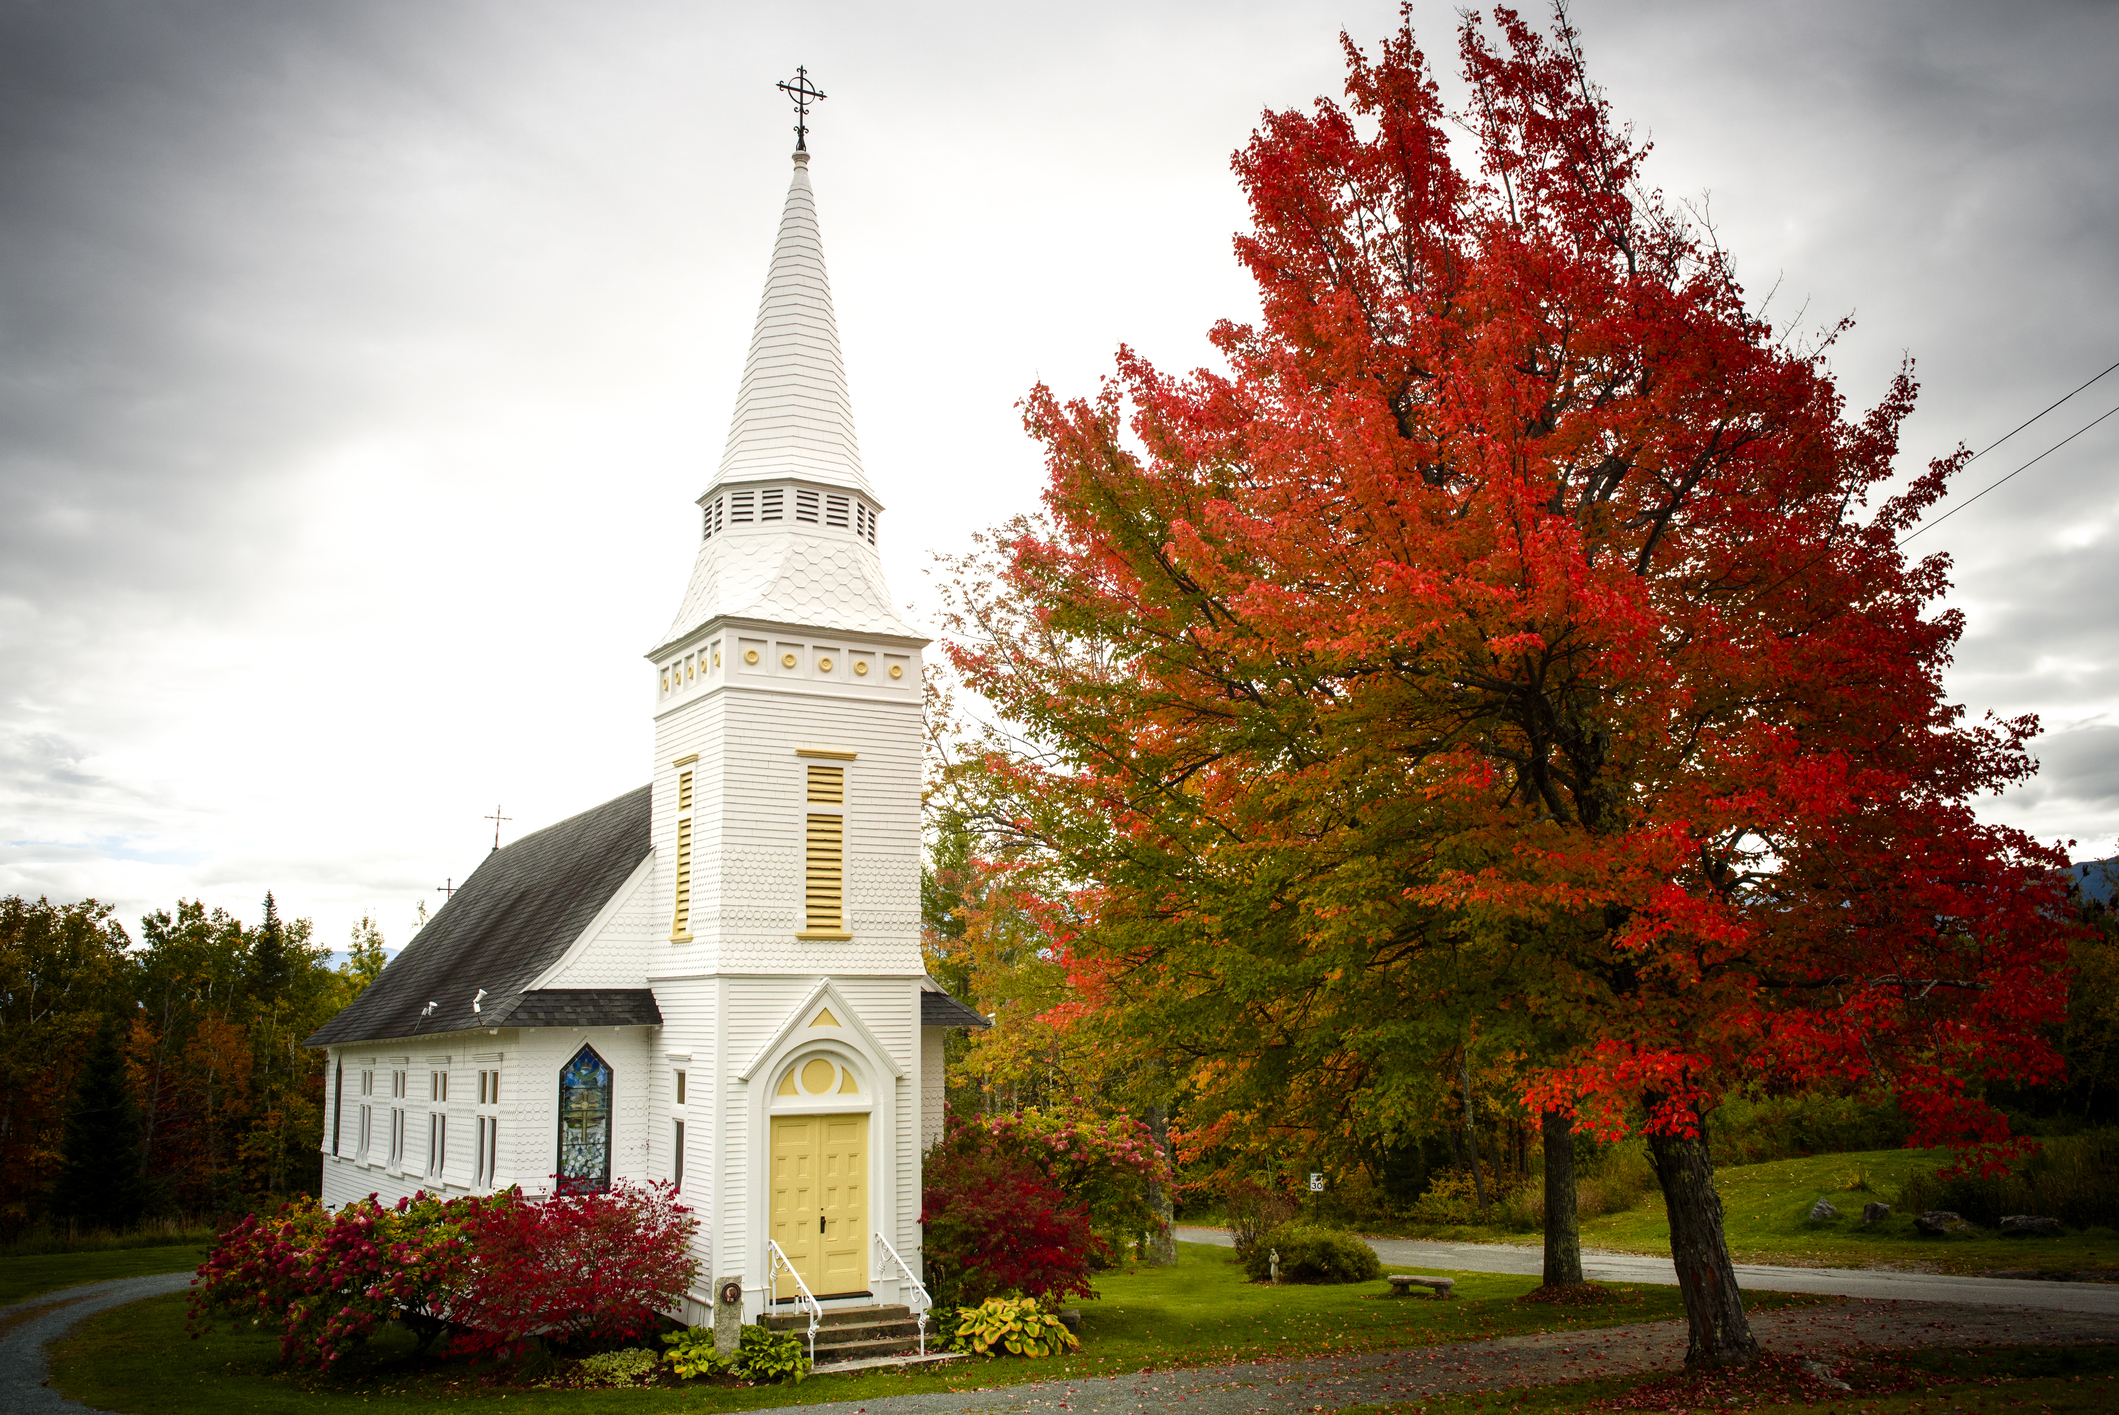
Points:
x=1402 y=1284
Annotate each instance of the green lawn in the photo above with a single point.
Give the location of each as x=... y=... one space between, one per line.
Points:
x=1766 y=1213
x=1766 y=1210
x=1201 y=1312
x=46 y=1272
x=2065 y=1380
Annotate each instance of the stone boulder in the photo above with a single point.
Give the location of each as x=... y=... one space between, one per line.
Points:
x=2029 y=1226
x=1875 y=1213
x=1822 y=1210
x=1940 y=1223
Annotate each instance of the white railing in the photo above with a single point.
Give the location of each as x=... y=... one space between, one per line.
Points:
x=776 y=1260
x=919 y=1289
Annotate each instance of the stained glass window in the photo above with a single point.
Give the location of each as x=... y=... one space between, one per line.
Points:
x=585 y=1123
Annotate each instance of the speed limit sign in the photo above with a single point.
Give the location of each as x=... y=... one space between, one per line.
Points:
x=1316 y=1183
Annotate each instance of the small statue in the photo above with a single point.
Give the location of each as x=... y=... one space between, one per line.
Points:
x=1273 y=1264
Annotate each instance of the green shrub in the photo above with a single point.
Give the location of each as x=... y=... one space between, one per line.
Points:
x=765 y=1355
x=1309 y=1253
x=1612 y=1179
x=1452 y=1198
x=1019 y=1326
x=615 y=1368
x=1253 y=1211
x=2072 y=1178
x=691 y=1353
x=761 y=1355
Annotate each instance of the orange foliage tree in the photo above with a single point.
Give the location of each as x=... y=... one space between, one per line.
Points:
x=1509 y=647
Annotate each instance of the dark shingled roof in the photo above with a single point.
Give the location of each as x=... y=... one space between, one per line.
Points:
x=587 y=1007
x=508 y=922
x=939 y=1009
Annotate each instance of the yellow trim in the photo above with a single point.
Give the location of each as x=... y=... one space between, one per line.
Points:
x=826 y=753
x=812 y=934
x=685 y=761
x=681 y=924
x=824 y=873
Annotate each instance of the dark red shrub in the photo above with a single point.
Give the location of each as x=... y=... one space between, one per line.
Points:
x=995 y=1225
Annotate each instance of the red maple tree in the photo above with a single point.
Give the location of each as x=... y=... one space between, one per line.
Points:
x=1511 y=641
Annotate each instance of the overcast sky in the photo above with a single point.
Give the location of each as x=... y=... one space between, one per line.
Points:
x=359 y=362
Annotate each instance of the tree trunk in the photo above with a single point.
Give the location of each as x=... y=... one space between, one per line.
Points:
x=1471 y=1138
x=1721 y=1335
x=1162 y=1243
x=1563 y=1231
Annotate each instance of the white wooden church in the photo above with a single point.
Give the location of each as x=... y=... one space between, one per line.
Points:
x=714 y=980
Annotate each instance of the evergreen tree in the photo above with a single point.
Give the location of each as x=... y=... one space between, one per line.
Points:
x=100 y=1185
x=268 y=956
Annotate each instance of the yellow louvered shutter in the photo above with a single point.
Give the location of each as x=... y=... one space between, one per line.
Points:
x=681 y=925
x=824 y=875
x=684 y=791
x=827 y=786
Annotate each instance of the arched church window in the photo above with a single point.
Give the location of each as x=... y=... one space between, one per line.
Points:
x=585 y=1123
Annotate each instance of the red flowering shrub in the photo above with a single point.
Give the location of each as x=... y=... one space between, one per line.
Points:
x=579 y=1266
x=996 y=1224
x=492 y=1272
x=1105 y=1164
x=327 y=1280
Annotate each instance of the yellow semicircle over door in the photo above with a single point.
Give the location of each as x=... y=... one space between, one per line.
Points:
x=819 y=1213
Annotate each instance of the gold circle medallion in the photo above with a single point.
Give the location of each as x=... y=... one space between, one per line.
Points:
x=787 y=660
x=823 y=665
x=750 y=655
x=860 y=668
x=897 y=670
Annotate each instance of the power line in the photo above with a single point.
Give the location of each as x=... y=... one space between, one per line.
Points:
x=2026 y=423
x=2024 y=468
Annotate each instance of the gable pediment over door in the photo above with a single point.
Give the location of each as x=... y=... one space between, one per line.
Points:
x=807 y=1022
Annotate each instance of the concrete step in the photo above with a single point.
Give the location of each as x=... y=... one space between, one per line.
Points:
x=861 y=1350
x=793 y=1318
x=932 y=1358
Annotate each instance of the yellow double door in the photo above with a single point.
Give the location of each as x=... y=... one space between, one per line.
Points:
x=820 y=1201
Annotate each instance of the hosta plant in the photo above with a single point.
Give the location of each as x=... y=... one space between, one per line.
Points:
x=1019 y=1326
x=691 y=1354
x=770 y=1356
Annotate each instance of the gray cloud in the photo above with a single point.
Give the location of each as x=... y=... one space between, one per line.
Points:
x=357 y=363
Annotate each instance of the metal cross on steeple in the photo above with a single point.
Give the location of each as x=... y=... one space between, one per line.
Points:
x=496 y=818
x=804 y=93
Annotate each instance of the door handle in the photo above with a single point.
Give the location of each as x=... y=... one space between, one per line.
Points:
x=820 y=1223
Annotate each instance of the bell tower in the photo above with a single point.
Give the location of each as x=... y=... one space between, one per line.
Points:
x=786 y=808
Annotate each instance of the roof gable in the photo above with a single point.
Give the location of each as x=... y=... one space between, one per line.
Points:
x=508 y=923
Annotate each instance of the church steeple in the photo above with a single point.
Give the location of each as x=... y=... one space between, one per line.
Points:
x=789 y=521
x=793 y=415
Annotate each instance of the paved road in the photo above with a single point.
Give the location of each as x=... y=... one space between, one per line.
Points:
x=2094 y=1297
x=22 y=1364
